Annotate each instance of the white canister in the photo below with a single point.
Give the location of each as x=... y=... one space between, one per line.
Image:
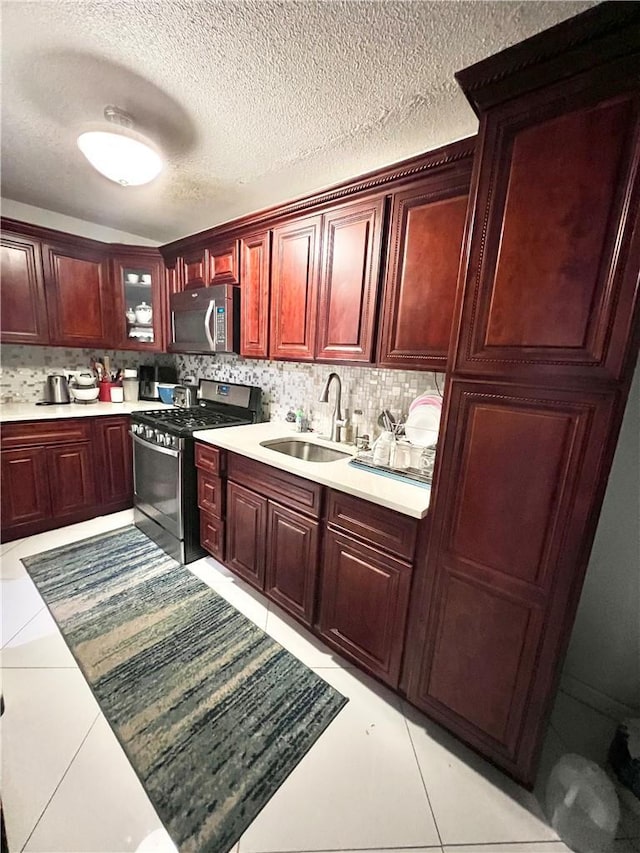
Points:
x=117 y=394
x=382 y=448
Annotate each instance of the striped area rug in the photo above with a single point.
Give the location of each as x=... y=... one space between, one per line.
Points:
x=212 y=713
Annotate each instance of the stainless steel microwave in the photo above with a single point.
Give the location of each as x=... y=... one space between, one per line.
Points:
x=206 y=319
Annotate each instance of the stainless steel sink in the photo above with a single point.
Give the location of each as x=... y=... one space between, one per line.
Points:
x=304 y=450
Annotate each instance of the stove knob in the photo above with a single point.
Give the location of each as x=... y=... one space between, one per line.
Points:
x=170 y=440
x=160 y=437
x=149 y=433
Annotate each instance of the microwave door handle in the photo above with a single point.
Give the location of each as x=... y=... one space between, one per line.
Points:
x=207 y=325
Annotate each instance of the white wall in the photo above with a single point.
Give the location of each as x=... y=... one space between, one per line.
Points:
x=603 y=662
x=61 y=222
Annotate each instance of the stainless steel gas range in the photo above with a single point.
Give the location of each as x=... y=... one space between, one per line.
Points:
x=164 y=474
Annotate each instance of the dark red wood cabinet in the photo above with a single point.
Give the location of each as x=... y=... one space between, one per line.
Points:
x=246 y=533
x=210 y=463
x=255 y=271
x=348 y=289
x=23 y=309
x=425 y=243
x=224 y=262
x=79 y=295
x=114 y=462
x=63 y=471
x=138 y=278
x=193 y=266
x=547 y=327
x=292 y=560
x=294 y=289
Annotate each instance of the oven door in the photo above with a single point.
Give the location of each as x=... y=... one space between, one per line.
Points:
x=157 y=484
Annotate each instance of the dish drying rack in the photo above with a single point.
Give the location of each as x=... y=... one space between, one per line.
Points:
x=364 y=459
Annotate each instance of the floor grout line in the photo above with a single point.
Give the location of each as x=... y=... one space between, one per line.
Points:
x=28 y=622
x=424 y=784
x=62 y=778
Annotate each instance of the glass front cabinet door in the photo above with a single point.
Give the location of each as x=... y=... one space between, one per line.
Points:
x=138 y=278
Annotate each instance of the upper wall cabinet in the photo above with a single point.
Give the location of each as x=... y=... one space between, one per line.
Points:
x=549 y=289
x=351 y=247
x=425 y=241
x=23 y=310
x=294 y=289
x=139 y=300
x=255 y=267
x=217 y=263
x=79 y=295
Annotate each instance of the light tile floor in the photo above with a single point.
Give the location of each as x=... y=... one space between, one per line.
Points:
x=381 y=778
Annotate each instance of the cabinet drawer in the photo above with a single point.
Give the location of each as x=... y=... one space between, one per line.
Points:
x=374 y=524
x=210 y=494
x=212 y=535
x=294 y=492
x=209 y=458
x=34 y=433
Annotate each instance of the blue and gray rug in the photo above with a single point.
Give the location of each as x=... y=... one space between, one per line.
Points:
x=212 y=713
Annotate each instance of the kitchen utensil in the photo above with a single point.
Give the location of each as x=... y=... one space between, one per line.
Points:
x=57 y=389
x=130 y=314
x=117 y=394
x=145 y=278
x=423 y=425
x=84 y=394
x=144 y=313
x=184 y=396
x=86 y=380
x=132 y=278
x=104 y=394
x=165 y=392
x=426 y=400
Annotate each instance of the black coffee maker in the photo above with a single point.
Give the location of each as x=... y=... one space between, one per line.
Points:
x=151 y=375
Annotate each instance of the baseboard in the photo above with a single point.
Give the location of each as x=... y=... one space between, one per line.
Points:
x=613 y=708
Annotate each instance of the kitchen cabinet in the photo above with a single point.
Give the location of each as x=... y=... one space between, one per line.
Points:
x=115 y=462
x=224 y=262
x=193 y=266
x=350 y=269
x=273 y=533
x=79 y=295
x=57 y=472
x=138 y=280
x=23 y=309
x=294 y=289
x=545 y=345
x=210 y=463
x=425 y=242
x=203 y=266
x=292 y=560
x=246 y=533
x=255 y=268
x=48 y=476
x=366 y=578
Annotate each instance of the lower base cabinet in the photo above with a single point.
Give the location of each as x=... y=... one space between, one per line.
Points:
x=292 y=561
x=210 y=463
x=364 y=599
x=60 y=472
x=246 y=533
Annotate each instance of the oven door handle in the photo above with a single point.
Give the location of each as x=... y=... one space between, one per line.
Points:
x=207 y=325
x=166 y=450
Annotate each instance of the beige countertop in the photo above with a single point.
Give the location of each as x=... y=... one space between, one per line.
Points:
x=404 y=497
x=11 y=412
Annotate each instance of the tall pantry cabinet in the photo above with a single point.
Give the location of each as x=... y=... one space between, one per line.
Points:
x=545 y=341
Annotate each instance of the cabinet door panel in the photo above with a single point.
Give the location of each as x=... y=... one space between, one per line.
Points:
x=363 y=604
x=255 y=256
x=129 y=295
x=194 y=268
x=223 y=260
x=294 y=289
x=23 y=312
x=79 y=297
x=351 y=246
x=212 y=535
x=427 y=230
x=546 y=272
x=71 y=477
x=292 y=561
x=511 y=519
x=210 y=490
x=25 y=486
x=246 y=533
x=115 y=462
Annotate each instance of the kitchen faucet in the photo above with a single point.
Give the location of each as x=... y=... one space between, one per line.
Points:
x=337 y=420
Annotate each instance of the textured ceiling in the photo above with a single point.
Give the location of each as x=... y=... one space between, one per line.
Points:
x=252 y=102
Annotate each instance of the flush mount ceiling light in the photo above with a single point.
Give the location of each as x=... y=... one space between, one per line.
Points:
x=119 y=152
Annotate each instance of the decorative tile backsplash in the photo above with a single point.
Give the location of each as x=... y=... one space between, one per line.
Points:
x=286 y=386
x=24 y=369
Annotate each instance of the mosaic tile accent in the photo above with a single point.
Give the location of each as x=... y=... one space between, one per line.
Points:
x=24 y=369
x=287 y=386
